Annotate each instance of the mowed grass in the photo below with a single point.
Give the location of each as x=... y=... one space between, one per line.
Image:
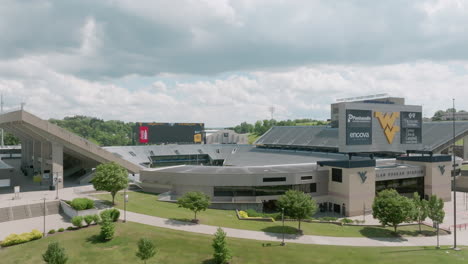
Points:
x=83 y=246
x=145 y=203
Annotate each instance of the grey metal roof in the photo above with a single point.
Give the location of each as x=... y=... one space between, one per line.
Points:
x=435 y=136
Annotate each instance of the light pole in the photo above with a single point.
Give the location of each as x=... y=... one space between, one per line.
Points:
x=454 y=165
x=44 y=214
x=437 y=224
x=125 y=205
x=282 y=218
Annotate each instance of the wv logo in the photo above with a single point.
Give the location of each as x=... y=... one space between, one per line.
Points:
x=363 y=176
x=387 y=122
x=442 y=169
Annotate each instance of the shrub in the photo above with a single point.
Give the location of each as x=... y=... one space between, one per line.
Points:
x=222 y=254
x=243 y=214
x=112 y=214
x=346 y=221
x=88 y=219
x=52 y=231
x=15 y=239
x=96 y=218
x=77 y=221
x=328 y=218
x=82 y=204
x=253 y=213
x=55 y=254
x=61 y=229
x=70 y=228
x=107 y=229
x=146 y=249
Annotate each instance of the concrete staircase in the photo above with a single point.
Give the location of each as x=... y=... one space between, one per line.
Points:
x=28 y=211
x=87 y=177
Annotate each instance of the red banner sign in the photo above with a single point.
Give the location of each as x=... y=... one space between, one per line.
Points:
x=144 y=134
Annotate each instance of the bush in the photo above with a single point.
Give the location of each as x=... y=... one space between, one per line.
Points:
x=77 y=221
x=346 y=221
x=112 y=214
x=15 y=239
x=243 y=214
x=96 y=218
x=52 y=231
x=55 y=254
x=253 y=213
x=328 y=219
x=88 y=219
x=82 y=204
x=70 y=228
x=107 y=229
x=61 y=229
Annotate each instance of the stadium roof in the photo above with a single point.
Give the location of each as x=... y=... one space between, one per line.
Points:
x=436 y=136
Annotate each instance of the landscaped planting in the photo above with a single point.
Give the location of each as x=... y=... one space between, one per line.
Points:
x=15 y=239
x=84 y=246
x=80 y=204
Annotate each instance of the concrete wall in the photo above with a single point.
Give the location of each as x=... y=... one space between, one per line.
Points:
x=352 y=191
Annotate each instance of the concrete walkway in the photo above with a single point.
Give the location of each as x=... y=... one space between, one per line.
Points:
x=305 y=239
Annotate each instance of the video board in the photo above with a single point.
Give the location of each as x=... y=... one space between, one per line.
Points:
x=167 y=133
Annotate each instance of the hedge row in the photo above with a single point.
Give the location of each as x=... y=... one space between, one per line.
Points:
x=15 y=239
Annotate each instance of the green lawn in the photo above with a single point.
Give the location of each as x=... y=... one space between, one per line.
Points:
x=83 y=246
x=145 y=203
x=253 y=137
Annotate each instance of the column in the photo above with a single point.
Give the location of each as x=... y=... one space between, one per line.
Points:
x=57 y=161
x=465 y=148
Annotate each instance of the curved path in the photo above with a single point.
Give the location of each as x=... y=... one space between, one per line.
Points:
x=305 y=239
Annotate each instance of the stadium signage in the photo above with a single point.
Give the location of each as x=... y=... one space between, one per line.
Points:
x=358 y=127
x=363 y=176
x=411 y=128
x=144 y=134
x=442 y=169
x=387 y=123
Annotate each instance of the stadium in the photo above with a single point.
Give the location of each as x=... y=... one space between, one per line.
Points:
x=372 y=144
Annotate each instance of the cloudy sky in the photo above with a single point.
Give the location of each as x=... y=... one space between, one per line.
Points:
x=223 y=62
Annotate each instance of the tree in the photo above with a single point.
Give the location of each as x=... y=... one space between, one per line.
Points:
x=392 y=209
x=146 y=249
x=107 y=228
x=110 y=177
x=55 y=254
x=297 y=205
x=420 y=209
x=436 y=212
x=222 y=254
x=194 y=201
x=438 y=115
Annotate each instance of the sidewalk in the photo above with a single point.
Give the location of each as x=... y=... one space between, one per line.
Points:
x=305 y=239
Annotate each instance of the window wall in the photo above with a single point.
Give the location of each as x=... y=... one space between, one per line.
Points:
x=262 y=190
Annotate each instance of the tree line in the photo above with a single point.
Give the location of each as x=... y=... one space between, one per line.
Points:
x=260 y=127
x=440 y=113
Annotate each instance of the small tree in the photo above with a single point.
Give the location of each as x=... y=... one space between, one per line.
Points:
x=194 y=201
x=107 y=229
x=420 y=209
x=77 y=221
x=55 y=254
x=146 y=249
x=222 y=254
x=436 y=212
x=392 y=209
x=110 y=177
x=297 y=205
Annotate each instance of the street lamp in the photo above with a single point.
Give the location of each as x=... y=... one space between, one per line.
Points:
x=125 y=205
x=454 y=183
x=44 y=214
x=282 y=218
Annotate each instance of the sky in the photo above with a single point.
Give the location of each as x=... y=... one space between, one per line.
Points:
x=223 y=62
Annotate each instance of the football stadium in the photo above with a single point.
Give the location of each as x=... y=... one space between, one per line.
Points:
x=371 y=144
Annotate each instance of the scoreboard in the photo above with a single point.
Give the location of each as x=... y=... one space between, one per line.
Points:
x=158 y=133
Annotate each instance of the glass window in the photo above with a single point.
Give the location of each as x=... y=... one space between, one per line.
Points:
x=337 y=175
x=304 y=178
x=275 y=179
